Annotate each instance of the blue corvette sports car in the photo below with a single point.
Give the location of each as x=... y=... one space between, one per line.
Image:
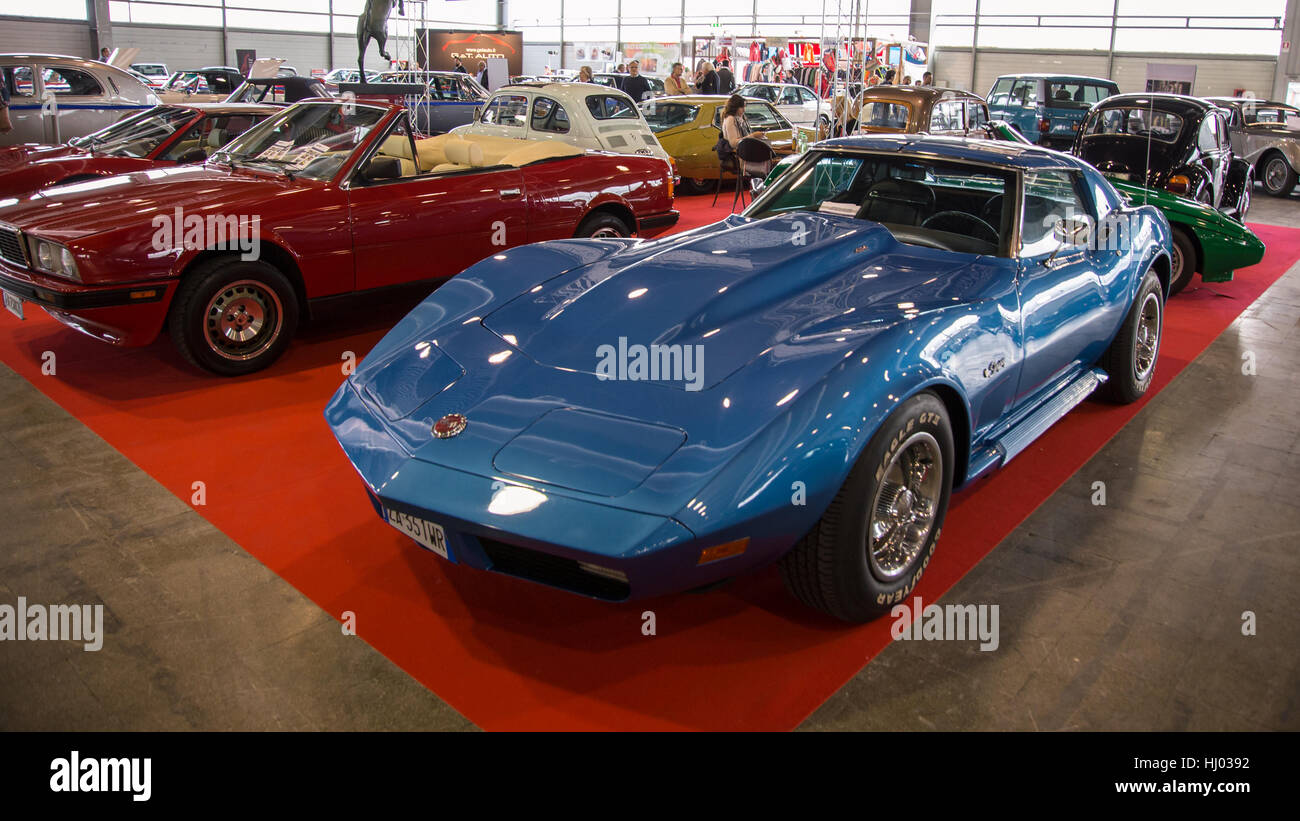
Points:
x=806 y=382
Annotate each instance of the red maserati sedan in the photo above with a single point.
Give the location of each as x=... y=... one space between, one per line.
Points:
x=325 y=199
x=165 y=134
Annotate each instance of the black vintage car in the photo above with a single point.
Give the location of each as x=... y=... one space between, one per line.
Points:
x=1171 y=142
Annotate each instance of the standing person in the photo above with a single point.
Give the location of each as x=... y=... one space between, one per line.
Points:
x=104 y=54
x=675 y=85
x=460 y=67
x=636 y=86
x=708 y=82
x=584 y=75
x=726 y=80
x=482 y=75
x=927 y=79
x=5 y=125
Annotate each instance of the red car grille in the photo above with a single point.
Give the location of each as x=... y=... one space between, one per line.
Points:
x=11 y=247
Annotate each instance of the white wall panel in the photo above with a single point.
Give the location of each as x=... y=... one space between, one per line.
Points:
x=25 y=35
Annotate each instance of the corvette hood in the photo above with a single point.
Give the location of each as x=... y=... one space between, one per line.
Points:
x=737 y=290
x=69 y=212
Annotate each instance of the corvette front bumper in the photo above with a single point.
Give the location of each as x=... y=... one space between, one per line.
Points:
x=530 y=531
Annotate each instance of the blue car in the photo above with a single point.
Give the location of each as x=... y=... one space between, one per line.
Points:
x=1047 y=108
x=806 y=382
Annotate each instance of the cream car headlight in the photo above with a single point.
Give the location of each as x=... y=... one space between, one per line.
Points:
x=52 y=258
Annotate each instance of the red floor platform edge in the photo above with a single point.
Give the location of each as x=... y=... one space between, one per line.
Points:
x=505 y=653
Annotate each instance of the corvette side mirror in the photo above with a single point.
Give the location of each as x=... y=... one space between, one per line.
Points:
x=1070 y=232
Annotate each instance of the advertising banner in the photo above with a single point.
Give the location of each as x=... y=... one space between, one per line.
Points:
x=436 y=49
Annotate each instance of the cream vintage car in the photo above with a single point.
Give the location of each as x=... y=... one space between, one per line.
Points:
x=1266 y=135
x=53 y=98
x=583 y=114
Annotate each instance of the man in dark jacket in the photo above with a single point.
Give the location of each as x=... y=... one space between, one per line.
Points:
x=726 y=80
x=708 y=83
x=460 y=67
x=636 y=86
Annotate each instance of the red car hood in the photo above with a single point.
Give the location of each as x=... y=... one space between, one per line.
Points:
x=14 y=156
x=28 y=178
x=68 y=212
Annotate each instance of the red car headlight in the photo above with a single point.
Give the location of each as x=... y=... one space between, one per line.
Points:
x=52 y=258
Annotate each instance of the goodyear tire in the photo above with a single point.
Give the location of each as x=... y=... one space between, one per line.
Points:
x=232 y=316
x=1131 y=358
x=602 y=226
x=1182 y=264
x=870 y=547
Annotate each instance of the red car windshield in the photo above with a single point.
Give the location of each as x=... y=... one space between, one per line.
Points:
x=136 y=136
x=310 y=140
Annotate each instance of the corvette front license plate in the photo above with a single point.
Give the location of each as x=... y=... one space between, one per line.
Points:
x=14 y=303
x=423 y=531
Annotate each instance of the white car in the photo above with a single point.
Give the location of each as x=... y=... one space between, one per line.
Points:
x=156 y=72
x=797 y=103
x=53 y=99
x=582 y=114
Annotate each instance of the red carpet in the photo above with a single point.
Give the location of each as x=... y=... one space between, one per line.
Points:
x=509 y=654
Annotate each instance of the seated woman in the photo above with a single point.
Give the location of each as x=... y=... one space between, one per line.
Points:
x=734 y=129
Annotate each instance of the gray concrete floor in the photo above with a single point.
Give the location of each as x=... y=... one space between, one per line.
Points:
x=1126 y=616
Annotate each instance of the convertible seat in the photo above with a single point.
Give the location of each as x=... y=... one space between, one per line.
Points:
x=399 y=148
x=455 y=152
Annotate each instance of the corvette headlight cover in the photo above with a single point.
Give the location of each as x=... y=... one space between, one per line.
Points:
x=52 y=258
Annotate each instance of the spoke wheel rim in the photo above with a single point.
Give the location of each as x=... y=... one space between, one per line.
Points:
x=1177 y=262
x=1146 y=342
x=905 y=508
x=1275 y=174
x=242 y=320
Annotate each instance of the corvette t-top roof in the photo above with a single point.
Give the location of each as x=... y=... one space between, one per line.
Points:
x=1007 y=154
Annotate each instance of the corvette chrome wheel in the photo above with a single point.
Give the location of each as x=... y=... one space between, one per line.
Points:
x=243 y=320
x=904 y=509
x=1147 y=340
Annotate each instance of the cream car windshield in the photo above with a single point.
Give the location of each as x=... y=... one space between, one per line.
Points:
x=310 y=140
x=947 y=205
x=136 y=136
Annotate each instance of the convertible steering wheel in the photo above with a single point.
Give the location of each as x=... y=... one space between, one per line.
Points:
x=961 y=220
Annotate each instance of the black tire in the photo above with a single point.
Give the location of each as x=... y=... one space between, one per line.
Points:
x=1131 y=358
x=1182 y=265
x=603 y=224
x=255 y=294
x=1276 y=170
x=698 y=185
x=833 y=568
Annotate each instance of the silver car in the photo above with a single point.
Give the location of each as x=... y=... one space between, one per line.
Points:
x=53 y=99
x=1266 y=135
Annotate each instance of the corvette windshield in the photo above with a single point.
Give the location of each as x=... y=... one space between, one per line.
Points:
x=309 y=140
x=922 y=201
x=136 y=136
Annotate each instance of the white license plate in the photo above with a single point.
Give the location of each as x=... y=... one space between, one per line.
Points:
x=423 y=531
x=14 y=303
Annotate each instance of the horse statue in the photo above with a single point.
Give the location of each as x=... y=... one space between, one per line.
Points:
x=373 y=23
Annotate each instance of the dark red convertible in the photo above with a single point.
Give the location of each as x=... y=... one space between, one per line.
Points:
x=325 y=199
x=166 y=134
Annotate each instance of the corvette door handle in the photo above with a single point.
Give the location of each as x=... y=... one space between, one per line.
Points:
x=510 y=193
